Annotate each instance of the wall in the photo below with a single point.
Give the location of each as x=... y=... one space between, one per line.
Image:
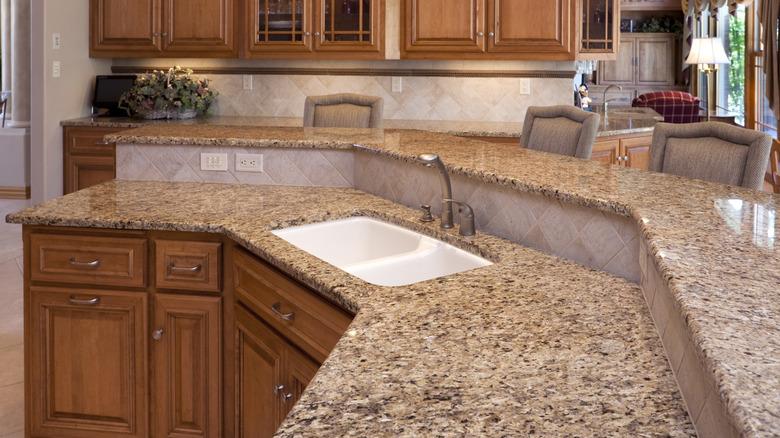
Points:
x=15 y=159
x=56 y=99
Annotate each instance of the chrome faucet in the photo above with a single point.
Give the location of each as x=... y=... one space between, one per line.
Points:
x=606 y=102
x=433 y=160
x=467 y=227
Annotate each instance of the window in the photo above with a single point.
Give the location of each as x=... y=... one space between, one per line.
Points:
x=760 y=116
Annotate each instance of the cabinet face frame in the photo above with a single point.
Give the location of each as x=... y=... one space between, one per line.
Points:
x=412 y=42
x=377 y=35
x=102 y=46
x=562 y=47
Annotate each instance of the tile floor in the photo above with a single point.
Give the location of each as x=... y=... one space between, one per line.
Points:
x=11 y=330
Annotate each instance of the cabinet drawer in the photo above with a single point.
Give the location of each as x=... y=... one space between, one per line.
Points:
x=188 y=265
x=307 y=320
x=102 y=261
x=89 y=141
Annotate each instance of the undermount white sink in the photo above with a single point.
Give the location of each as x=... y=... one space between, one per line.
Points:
x=380 y=253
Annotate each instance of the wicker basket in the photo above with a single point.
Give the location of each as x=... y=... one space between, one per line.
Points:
x=168 y=114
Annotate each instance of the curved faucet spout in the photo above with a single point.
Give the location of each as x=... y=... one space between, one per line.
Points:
x=433 y=160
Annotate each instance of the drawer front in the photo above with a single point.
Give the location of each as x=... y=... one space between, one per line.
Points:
x=195 y=266
x=307 y=320
x=89 y=141
x=103 y=261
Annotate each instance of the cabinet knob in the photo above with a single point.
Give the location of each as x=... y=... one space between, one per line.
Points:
x=316 y=34
x=492 y=34
x=278 y=389
x=156 y=34
x=164 y=34
x=286 y=397
x=480 y=34
x=158 y=334
x=307 y=33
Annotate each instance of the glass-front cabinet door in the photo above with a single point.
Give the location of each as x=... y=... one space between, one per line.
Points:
x=280 y=26
x=600 y=30
x=348 y=25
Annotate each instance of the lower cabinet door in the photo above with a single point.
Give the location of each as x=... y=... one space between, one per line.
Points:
x=87 y=364
x=300 y=371
x=637 y=151
x=260 y=377
x=606 y=151
x=187 y=354
x=82 y=171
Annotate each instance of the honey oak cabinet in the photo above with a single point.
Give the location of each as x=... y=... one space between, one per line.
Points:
x=87 y=159
x=651 y=5
x=155 y=28
x=87 y=362
x=599 y=30
x=628 y=151
x=314 y=29
x=489 y=29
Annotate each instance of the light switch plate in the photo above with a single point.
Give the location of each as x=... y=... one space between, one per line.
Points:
x=398 y=84
x=56 y=41
x=248 y=85
x=56 y=69
x=217 y=162
x=525 y=86
x=249 y=162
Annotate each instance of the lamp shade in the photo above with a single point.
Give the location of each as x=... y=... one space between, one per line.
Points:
x=707 y=51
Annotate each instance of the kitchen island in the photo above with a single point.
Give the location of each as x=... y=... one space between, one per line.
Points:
x=528 y=344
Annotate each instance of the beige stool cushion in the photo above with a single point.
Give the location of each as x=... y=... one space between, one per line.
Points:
x=561 y=129
x=343 y=115
x=558 y=135
x=706 y=158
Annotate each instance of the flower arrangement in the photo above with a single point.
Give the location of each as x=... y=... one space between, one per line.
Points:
x=172 y=94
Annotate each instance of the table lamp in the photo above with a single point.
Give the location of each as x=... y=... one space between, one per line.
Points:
x=708 y=54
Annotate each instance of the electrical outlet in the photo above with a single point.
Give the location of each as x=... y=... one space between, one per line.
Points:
x=249 y=162
x=248 y=85
x=56 y=69
x=56 y=41
x=398 y=84
x=525 y=86
x=213 y=162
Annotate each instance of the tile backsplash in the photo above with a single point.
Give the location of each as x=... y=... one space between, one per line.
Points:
x=421 y=98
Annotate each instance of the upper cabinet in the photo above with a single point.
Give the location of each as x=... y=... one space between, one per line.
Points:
x=599 y=30
x=313 y=29
x=155 y=28
x=651 y=5
x=489 y=29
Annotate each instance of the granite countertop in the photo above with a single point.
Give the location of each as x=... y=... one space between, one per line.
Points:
x=717 y=246
x=529 y=345
x=621 y=121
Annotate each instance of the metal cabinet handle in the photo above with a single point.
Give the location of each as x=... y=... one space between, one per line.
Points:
x=278 y=389
x=84 y=302
x=286 y=397
x=158 y=334
x=92 y=264
x=277 y=309
x=164 y=34
x=189 y=269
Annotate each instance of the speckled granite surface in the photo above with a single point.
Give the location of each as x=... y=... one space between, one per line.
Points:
x=621 y=121
x=529 y=345
x=717 y=246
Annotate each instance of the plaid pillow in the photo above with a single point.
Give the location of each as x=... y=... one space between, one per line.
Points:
x=675 y=106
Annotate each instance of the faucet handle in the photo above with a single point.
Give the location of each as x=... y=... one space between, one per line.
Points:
x=426 y=213
x=467 y=222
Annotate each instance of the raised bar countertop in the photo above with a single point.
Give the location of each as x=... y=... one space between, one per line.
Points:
x=621 y=121
x=530 y=345
x=717 y=246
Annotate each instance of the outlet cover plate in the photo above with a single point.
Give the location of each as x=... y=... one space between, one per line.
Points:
x=525 y=86
x=216 y=162
x=249 y=162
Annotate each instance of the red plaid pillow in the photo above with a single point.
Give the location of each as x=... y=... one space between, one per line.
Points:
x=675 y=106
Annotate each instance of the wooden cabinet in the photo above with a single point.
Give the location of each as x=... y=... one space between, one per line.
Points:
x=154 y=28
x=440 y=26
x=599 y=30
x=187 y=382
x=643 y=60
x=129 y=27
x=628 y=151
x=489 y=29
x=187 y=265
x=91 y=370
x=87 y=159
x=283 y=333
x=311 y=29
x=87 y=365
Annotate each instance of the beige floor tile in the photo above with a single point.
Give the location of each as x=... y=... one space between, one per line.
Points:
x=17 y=434
x=12 y=369
x=12 y=408
x=11 y=330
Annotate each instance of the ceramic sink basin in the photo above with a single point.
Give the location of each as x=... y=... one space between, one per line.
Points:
x=380 y=253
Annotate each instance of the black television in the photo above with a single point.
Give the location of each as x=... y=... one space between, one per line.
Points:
x=108 y=90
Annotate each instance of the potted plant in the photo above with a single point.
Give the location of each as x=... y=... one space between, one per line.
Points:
x=172 y=94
